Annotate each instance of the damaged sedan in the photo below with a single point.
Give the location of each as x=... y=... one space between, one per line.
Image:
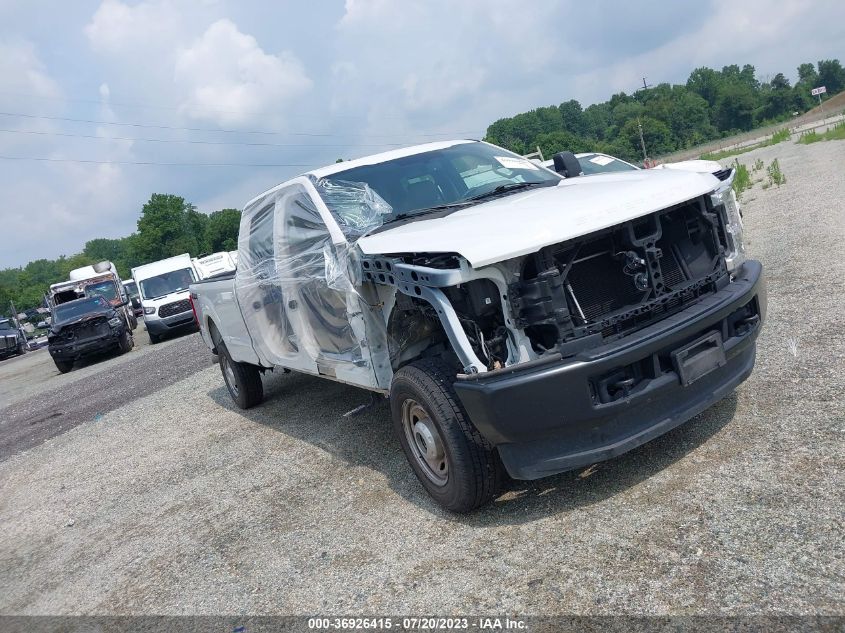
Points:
x=519 y=322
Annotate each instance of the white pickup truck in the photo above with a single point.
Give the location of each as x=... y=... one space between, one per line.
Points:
x=518 y=321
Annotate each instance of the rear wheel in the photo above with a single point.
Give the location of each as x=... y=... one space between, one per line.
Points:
x=242 y=380
x=452 y=460
x=63 y=366
x=126 y=342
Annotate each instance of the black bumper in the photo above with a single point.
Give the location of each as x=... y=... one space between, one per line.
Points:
x=554 y=416
x=81 y=349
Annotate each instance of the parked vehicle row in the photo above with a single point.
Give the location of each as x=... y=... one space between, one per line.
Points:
x=95 y=311
x=520 y=321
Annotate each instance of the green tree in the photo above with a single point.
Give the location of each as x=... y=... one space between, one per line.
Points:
x=572 y=117
x=807 y=74
x=735 y=106
x=656 y=134
x=553 y=142
x=169 y=226
x=705 y=83
x=831 y=75
x=777 y=98
x=221 y=232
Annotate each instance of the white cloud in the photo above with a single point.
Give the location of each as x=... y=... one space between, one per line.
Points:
x=223 y=75
x=117 y=27
x=22 y=72
x=229 y=79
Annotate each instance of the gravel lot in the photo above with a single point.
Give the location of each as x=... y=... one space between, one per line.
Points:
x=177 y=503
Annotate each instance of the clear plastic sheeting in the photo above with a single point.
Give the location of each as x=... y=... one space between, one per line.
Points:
x=292 y=280
x=355 y=205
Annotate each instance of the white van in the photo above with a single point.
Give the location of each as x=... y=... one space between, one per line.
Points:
x=163 y=288
x=214 y=264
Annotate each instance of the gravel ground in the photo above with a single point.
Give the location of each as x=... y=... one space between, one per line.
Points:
x=177 y=503
x=95 y=387
x=34 y=373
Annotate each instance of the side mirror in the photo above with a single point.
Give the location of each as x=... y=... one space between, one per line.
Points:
x=567 y=165
x=136 y=303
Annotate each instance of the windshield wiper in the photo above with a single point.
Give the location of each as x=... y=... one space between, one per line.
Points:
x=425 y=211
x=514 y=186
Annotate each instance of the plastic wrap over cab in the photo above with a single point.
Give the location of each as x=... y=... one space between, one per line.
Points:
x=293 y=281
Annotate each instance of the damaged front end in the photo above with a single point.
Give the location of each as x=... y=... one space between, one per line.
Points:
x=567 y=297
x=590 y=347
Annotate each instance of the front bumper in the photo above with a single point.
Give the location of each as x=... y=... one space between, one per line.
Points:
x=555 y=416
x=80 y=349
x=173 y=323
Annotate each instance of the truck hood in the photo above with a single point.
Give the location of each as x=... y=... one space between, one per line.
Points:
x=525 y=222
x=58 y=328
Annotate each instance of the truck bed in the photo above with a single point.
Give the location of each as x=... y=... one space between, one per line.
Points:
x=220 y=318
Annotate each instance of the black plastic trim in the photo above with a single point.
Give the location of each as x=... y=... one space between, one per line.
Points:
x=546 y=419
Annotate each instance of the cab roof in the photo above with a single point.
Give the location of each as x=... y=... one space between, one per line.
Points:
x=373 y=159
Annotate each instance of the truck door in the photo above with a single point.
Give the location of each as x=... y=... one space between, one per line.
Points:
x=293 y=313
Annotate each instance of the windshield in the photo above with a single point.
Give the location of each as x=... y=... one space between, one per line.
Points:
x=166 y=283
x=80 y=307
x=131 y=289
x=602 y=163
x=105 y=289
x=5 y=325
x=451 y=176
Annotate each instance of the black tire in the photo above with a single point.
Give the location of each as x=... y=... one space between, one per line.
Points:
x=21 y=349
x=126 y=342
x=133 y=321
x=242 y=380
x=473 y=471
x=63 y=366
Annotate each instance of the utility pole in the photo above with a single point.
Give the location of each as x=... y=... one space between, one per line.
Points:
x=17 y=323
x=642 y=143
x=645 y=85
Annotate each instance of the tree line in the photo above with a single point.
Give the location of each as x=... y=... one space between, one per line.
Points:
x=712 y=104
x=168 y=225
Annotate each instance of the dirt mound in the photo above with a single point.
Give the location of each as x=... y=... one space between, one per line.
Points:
x=834 y=105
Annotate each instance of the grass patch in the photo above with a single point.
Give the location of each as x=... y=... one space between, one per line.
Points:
x=742 y=180
x=776 y=176
x=774 y=139
x=836 y=133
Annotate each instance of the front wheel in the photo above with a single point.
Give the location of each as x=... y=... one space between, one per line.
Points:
x=452 y=460
x=242 y=380
x=126 y=342
x=63 y=366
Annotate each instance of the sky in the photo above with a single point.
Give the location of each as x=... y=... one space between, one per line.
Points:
x=104 y=102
